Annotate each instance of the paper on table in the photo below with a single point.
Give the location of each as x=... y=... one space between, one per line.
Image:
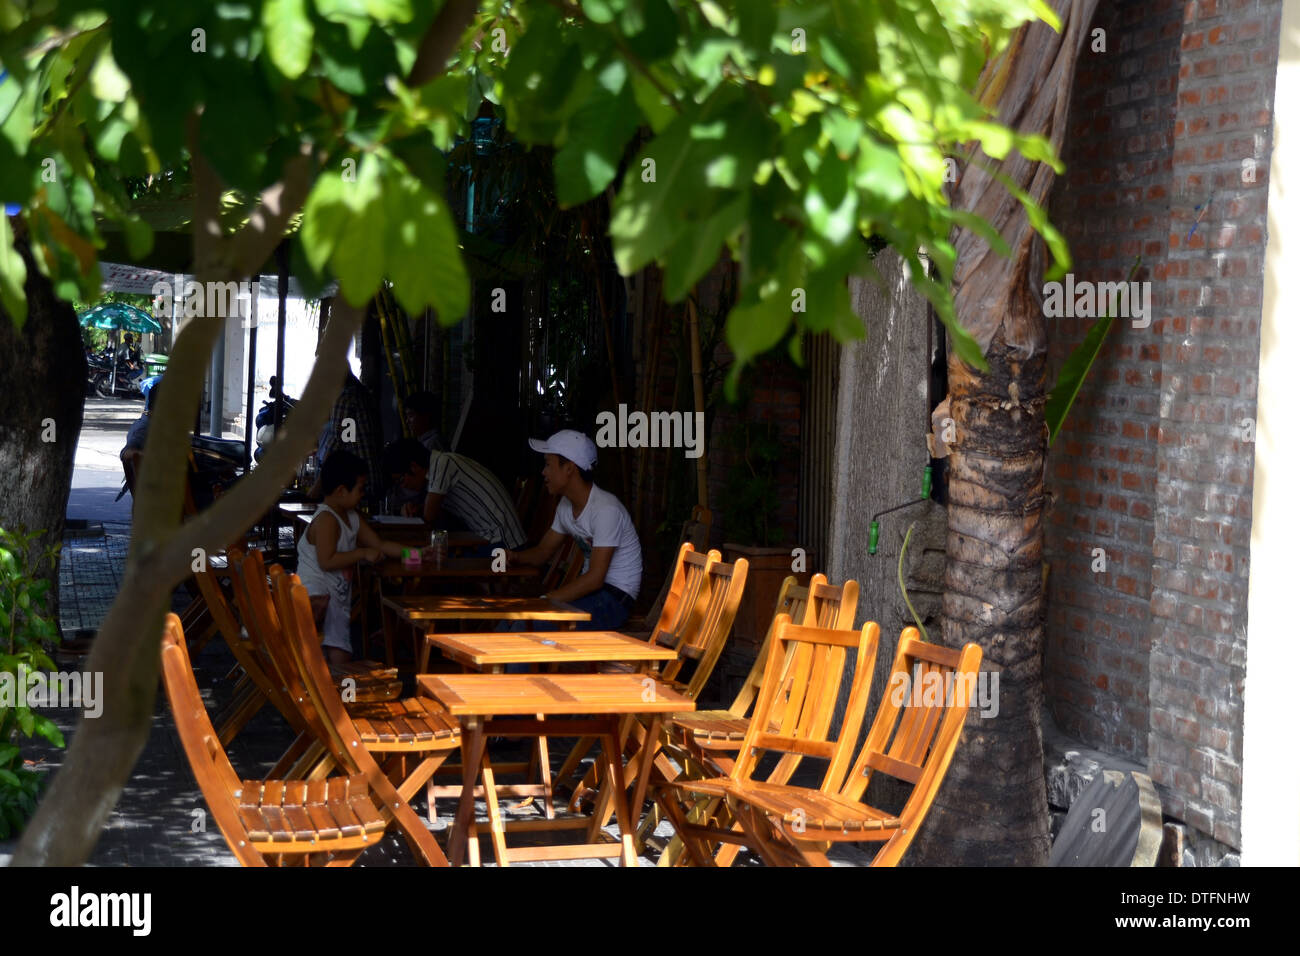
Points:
x=395 y=519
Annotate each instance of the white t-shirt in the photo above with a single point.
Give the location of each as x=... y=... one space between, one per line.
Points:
x=604 y=523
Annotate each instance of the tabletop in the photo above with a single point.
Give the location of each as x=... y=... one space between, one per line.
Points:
x=475 y=695
x=496 y=607
x=495 y=648
x=395 y=530
x=452 y=567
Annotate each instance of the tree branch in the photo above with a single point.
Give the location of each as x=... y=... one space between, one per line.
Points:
x=440 y=41
x=246 y=501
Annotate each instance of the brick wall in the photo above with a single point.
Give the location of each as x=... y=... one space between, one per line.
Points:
x=1209 y=360
x=1113 y=205
x=1154 y=467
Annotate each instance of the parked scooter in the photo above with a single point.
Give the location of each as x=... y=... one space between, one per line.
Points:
x=264 y=421
x=122 y=382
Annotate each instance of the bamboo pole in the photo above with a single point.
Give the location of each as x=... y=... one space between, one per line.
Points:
x=697 y=378
x=653 y=342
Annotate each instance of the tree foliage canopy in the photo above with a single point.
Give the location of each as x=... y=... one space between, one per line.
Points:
x=788 y=131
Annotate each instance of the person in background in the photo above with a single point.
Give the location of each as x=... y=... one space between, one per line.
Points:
x=421 y=414
x=336 y=541
x=129 y=360
x=354 y=417
x=611 y=570
x=133 y=452
x=458 y=487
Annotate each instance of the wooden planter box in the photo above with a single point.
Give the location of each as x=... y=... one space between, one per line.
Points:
x=768 y=567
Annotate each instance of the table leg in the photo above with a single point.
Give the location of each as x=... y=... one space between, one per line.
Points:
x=495 y=825
x=648 y=751
x=464 y=834
x=424 y=645
x=618 y=794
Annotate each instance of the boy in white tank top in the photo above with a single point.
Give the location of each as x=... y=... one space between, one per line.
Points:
x=337 y=540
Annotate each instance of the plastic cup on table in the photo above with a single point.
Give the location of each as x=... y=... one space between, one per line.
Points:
x=438 y=544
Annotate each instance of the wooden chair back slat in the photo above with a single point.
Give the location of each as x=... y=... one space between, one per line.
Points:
x=298 y=645
x=726 y=586
x=912 y=721
x=793 y=716
x=264 y=628
x=687 y=596
x=818 y=605
x=212 y=770
x=246 y=653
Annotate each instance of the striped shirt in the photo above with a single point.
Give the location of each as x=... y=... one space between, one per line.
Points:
x=475 y=496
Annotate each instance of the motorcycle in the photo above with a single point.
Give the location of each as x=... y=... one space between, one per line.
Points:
x=264 y=421
x=124 y=384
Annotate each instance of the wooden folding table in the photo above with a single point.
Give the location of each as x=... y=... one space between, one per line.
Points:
x=422 y=612
x=587 y=705
x=492 y=651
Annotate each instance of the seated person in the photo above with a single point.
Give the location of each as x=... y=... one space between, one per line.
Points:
x=457 y=487
x=133 y=451
x=338 y=539
x=611 y=571
x=421 y=413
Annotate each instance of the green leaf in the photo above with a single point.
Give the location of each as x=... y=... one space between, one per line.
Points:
x=982 y=228
x=694 y=255
x=643 y=224
x=358 y=257
x=324 y=217
x=423 y=257
x=289 y=34
x=9 y=777
x=597 y=134
x=1072 y=376
x=13 y=276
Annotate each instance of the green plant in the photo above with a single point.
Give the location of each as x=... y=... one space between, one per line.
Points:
x=752 y=489
x=24 y=629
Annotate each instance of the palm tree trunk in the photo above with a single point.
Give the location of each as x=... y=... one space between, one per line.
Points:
x=992 y=808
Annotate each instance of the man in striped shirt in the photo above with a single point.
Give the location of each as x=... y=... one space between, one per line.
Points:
x=460 y=487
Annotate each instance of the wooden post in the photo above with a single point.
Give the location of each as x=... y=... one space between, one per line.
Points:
x=697 y=379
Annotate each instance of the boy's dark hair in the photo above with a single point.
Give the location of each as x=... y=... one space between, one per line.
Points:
x=341 y=470
x=400 y=455
x=151 y=397
x=423 y=403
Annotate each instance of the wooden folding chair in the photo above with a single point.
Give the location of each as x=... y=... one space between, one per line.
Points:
x=912 y=739
x=327 y=821
x=410 y=728
x=703 y=743
x=792 y=718
x=725 y=584
x=695 y=532
x=688 y=596
x=255 y=686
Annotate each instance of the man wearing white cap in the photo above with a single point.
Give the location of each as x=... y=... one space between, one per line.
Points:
x=611 y=571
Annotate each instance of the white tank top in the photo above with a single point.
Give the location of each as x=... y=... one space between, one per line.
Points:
x=315 y=580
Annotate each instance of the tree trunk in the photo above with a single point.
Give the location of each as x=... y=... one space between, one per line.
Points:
x=992 y=807
x=40 y=414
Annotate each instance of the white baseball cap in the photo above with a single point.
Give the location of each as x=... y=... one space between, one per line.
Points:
x=570 y=444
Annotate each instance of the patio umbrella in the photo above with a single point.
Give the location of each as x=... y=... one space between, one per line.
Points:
x=118 y=316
